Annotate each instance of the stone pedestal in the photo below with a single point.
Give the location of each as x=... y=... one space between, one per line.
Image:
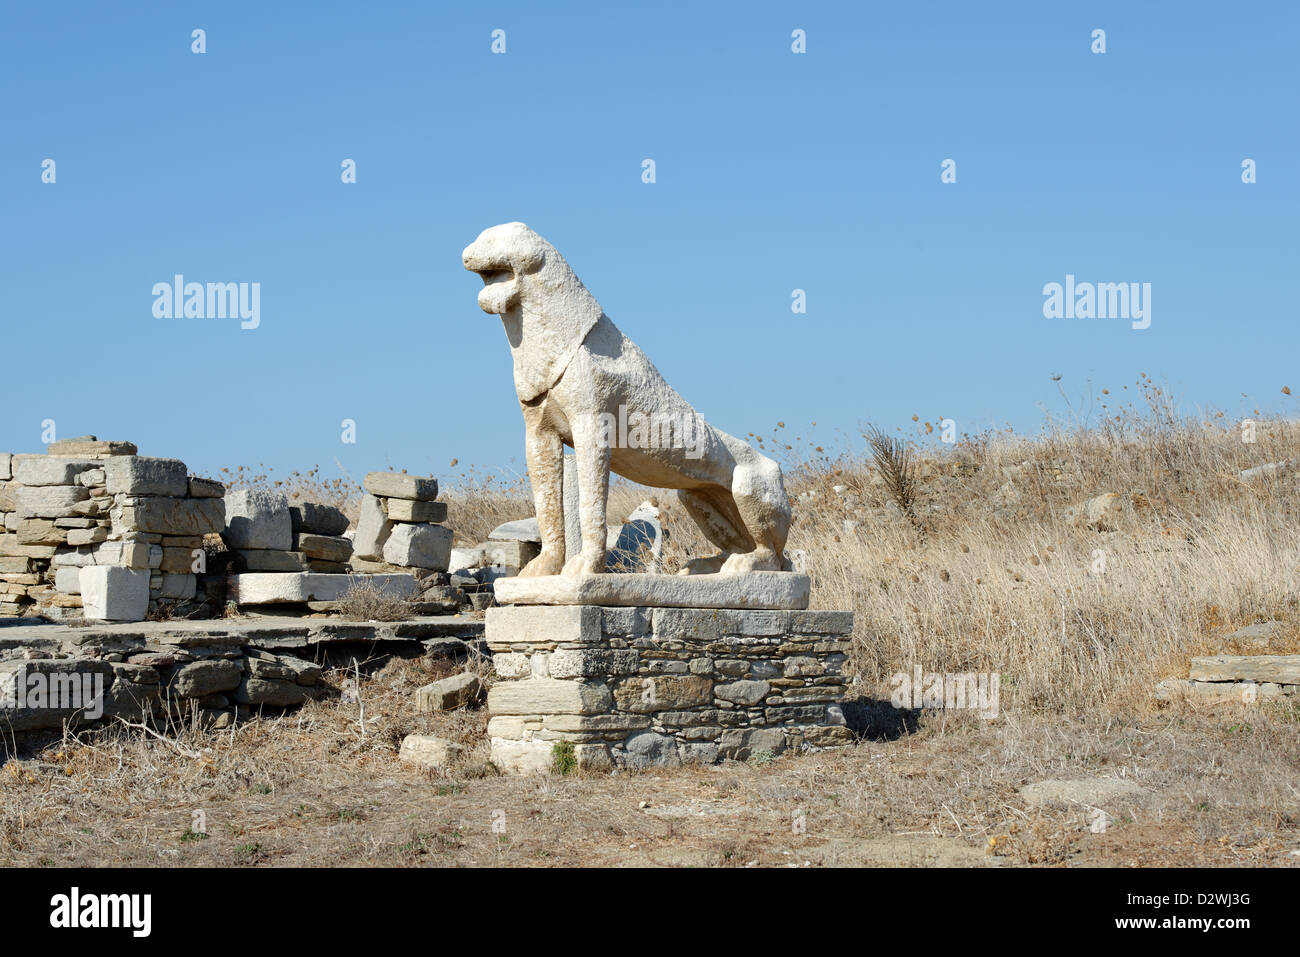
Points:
x=643 y=686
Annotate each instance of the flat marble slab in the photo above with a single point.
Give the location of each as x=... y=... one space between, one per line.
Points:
x=769 y=590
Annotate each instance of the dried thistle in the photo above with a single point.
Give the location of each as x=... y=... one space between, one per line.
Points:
x=893 y=458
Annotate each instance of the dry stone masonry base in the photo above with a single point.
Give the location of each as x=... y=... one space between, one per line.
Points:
x=54 y=674
x=637 y=687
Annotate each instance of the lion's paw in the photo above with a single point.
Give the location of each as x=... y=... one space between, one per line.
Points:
x=546 y=563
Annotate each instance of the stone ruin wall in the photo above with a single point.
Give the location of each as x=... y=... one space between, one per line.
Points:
x=91 y=528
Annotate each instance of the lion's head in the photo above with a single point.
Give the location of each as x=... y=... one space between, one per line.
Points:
x=546 y=309
x=500 y=256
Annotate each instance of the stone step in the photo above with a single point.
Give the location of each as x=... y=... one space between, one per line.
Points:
x=1278 y=669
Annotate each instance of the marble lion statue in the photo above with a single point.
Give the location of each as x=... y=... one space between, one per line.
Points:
x=583 y=383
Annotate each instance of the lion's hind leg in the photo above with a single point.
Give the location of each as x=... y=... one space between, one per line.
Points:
x=716 y=514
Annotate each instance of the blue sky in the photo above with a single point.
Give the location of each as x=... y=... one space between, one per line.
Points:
x=775 y=171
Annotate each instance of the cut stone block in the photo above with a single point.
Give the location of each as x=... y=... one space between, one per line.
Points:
x=373 y=529
x=146 y=475
x=329 y=548
x=397 y=485
x=523 y=757
x=270 y=560
x=127 y=554
x=11 y=547
x=449 y=693
x=49 y=501
x=569 y=624
x=520 y=530
x=465 y=558
x=549 y=696
x=664 y=693
x=318 y=519
x=87 y=446
x=329 y=568
x=419 y=546
x=1279 y=669
x=41 y=531
x=257 y=518
x=180 y=559
x=268 y=588
x=407 y=510
x=6 y=466
x=428 y=752
x=206 y=488
x=87 y=536
x=177 y=586
x=752 y=590
x=110 y=593
x=171 y=516
x=511 y=554
x=263 y=664
x=742 y=692
x=67 y=580
x=201 y=678
x=264 y=691
x=48 y=469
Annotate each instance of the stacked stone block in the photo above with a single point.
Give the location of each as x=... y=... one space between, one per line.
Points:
x=641 y=687
x=160 y=516
x=93 y=529
x=266 y=534
x=401 y=526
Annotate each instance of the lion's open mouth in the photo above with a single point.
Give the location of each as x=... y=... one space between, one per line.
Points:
x=500 y=292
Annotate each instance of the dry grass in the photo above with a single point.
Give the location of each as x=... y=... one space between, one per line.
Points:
x=1003 y=581
x=316 y=788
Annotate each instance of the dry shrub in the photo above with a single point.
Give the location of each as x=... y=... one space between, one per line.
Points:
x=364 y=602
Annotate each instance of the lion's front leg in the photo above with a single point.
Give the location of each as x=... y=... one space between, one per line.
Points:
x=545 y=456
x=592 y=458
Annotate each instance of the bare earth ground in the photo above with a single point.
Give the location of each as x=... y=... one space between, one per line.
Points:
x=1178 y=788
